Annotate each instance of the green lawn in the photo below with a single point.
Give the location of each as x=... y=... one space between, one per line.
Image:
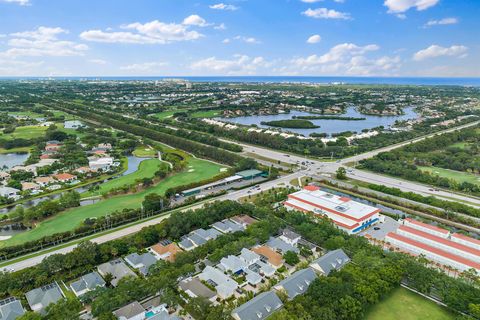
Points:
x=146 y=169
x=198 y=170
x=165 y=114
x=458 y=176
x=205 y=114
x=406 y=305
x=27 y=114
x=14 y=150
x=144 y=152
x=461 y=145
x=25 y=132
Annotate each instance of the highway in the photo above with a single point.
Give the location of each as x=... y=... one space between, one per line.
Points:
x=309 y=167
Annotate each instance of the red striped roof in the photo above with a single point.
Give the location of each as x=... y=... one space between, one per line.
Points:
x=434 y=250
x=466 y=238
x=441 y=240
x=368 y=215
x=425 y=225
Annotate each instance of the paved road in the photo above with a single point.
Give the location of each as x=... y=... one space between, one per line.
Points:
x=323 y=167
x=233 y=195
x=309 y=167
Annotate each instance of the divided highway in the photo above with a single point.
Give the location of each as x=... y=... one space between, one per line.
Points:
x=310 y=167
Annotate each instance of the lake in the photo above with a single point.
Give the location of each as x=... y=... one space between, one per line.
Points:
x=327 y=126
x=12 y=159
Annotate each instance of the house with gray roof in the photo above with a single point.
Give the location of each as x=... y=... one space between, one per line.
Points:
x=278 y=244
x=132 y=311
x=10 y=309
x=141 y=262
x=333 y=260
x=233 y=264
x=195 y=288
x=248 y=256
x=196 y=239
x=87 y=283
x=186 y=244
x=117 y=268
x=39 y=298
x=224 y=285
x=8 y=192
x=259 y=308
x=228 y=226
x=208 y=234
x=297 y=283
x=290 y=237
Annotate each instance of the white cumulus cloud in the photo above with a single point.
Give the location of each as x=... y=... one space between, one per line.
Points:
x=146 y=67
x=444 y=21
x=43 y=41
x=314 y=39
x=346 y=59
x=223 y=6
x=19 y=2
x=324 y=13
x=153 y=32
x=239 y=64
x=400 y=6
x=438 y=51
x=195 y=20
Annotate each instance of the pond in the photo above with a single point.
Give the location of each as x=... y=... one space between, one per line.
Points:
x=10 y=160
x=133 y=163
x=327 y=126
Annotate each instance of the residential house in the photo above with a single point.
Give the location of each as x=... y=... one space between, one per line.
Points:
x=44 y=181
x=248 y=256
x=141 y=262
x=297 y=283
x=30 y=186
x=243 y=220
x=4 y=176
x=267 y=255
x=38 y=299
x=87 y=283
x=117 y=268
x=64 y=177
x=166 y=250
x=8 y=192
x=10 y=309
x=103 y=164
x=290 y=237
x=281 y=246
x=132 y=311
x=53 y=147
x=333 y=260
x=233 y=264
x=228 y=226
x=196 y=289
x=224 y=285
x=258 y=308
x=83 y=170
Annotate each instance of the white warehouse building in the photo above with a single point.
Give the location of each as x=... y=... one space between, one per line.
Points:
x=348 y=215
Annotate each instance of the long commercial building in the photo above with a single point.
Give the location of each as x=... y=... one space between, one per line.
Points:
x=348 y=215
x=440 y=243
x=456 y=250
x=443 y=257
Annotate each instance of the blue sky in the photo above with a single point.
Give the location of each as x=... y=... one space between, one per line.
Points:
x=240 y=37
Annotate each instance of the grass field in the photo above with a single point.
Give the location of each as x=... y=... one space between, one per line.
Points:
x=461 y=145
x=406 y=305
x=205 y=114
x=14 y=150
x=146 y=169
x=26 y=132
x=165 y=114
x=198 y=170
x=452 y=174
x=144 y=152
